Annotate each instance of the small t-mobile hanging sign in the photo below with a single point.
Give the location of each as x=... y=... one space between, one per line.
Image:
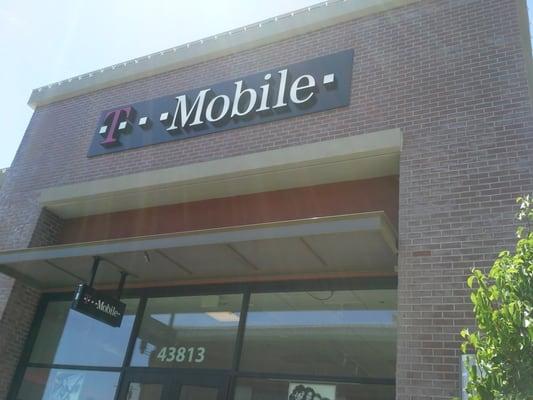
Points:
x=98 y=306
x=315 y=85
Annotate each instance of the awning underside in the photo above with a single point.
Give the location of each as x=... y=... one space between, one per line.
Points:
x=361 y=243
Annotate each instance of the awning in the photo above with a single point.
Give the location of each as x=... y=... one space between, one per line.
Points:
x=346 y=245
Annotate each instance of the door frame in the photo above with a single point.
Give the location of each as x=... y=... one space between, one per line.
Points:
x=172 y=380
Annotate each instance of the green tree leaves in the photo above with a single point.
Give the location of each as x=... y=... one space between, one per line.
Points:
x=503 y=308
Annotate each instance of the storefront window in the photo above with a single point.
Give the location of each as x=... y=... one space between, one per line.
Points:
x=305 y=345
x=188 y=332
x=269 y=389
x=330 y=333
x=70 y=338
x=55 y=384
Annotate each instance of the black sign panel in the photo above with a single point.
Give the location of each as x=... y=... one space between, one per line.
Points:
x=315 y=85
x=98 y=306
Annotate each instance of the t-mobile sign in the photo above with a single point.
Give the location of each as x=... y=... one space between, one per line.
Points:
x=103 y=308
x=315 y=85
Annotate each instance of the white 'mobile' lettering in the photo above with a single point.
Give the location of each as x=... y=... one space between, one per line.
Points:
x=243 y=103
x=181 y=110
x=237 y=99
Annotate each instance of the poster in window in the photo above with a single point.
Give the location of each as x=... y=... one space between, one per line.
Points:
x=308 y=391
x=65 y=386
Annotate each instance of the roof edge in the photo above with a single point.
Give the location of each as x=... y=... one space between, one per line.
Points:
x=274 y=29
x=3 y=172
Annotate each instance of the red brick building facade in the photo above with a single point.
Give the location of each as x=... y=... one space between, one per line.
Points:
x=452 y=76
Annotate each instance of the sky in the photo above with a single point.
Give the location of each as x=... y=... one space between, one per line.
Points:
x=42 y=42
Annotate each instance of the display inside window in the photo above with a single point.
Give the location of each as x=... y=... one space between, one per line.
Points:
x=68 y=337
x=328 y=333
x=270 y=389
x=62 y=384
x=188 y=332
x=145 y=391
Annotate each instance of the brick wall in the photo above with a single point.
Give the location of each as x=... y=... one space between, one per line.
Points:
x=449 y=73
x=17 y=308
x=47 y=229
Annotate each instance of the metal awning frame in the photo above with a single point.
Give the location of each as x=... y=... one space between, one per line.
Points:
x=371 y=221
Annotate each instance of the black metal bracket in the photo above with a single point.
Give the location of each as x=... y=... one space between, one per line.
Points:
x=123 y=276
x=96 y=263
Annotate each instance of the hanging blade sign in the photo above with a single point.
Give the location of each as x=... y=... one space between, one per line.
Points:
x=103 y=308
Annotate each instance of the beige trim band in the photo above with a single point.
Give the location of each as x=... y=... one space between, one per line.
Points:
x=356 y=157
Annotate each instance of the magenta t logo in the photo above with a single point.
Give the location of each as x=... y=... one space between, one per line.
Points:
x=116 y=121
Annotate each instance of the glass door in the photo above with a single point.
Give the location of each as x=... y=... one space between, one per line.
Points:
x=141 y=385
x=172 y=385
x=199 y=387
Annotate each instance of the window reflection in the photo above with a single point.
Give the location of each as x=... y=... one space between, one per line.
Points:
x=68 y=337
x=188 y=332
x=340 y=333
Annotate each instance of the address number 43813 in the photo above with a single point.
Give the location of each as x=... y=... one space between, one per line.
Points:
x=182 y=354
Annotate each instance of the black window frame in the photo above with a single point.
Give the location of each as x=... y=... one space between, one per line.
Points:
x=244 y=288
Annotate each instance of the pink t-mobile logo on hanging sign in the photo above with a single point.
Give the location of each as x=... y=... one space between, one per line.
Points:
x=116 y=122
